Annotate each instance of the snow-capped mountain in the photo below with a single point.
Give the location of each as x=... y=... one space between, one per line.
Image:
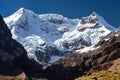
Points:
x=48 y=37
x=89 y=31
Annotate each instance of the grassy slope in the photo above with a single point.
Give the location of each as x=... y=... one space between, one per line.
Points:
x=112 y=74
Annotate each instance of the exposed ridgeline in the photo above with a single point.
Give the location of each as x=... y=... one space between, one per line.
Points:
x=13 y=56
x=106 y=54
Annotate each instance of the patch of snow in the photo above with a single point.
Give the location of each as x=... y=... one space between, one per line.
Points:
x=106 y=39
x=91 y=48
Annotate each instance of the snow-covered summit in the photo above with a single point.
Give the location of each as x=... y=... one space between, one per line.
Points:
x=22 y=12
x=102 y=20
x=47 y=35
x=93 y=20
x=89 y=31
x=28 y=22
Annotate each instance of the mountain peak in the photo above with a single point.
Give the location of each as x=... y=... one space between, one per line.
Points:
x=20 y=11
x=94 y=13
x=103 y=21
x=21 y=8
x=67 y=34
x=91 y=19
x=16 y=15
x=94 y=19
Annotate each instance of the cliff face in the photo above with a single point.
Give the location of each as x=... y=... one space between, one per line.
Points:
x=13 y=56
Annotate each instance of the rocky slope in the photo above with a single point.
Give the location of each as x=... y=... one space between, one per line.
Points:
x=13 y=56
x=105 y=56
x=49 y=37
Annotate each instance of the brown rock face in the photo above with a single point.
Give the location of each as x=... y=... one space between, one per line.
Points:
x=78 y=64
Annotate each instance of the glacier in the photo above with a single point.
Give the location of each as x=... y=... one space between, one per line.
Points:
x=48 y=37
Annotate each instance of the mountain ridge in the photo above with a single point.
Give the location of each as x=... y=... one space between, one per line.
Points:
x=91 y=64
x=53 y=34
x=82 y=49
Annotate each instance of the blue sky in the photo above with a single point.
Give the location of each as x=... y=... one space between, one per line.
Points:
x=109 y=9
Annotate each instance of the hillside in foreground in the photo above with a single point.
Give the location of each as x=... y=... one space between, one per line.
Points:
x=112 y=73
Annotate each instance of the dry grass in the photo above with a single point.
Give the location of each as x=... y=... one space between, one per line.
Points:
x=9 y=78
x=111 y=74
x=19 y=77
